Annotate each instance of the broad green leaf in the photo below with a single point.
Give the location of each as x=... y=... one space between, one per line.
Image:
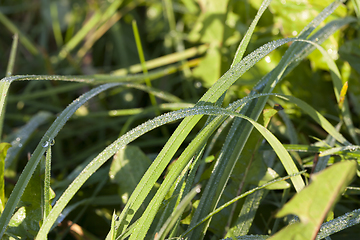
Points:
x=313 y=203
x=25 y=223
x=271 y=175
x=210 y=28
x=209 y=69
x=293 y=16
x=3 y=151
x=128 y=166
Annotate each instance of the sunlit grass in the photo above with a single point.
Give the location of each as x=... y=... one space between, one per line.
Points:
x=228 y=138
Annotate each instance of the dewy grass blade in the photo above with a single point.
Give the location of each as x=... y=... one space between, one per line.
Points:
x=46 y=195
x=238 y=56
x=240 y=131
x=182 y=159
x=185 y=127
x=338 y=224
x=40 y=150
x=150 y=212
x=5 y=84
x=238 y=198
x=95 y=79
x=135 y=133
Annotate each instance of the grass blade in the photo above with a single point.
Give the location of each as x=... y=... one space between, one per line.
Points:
x=3 y=152
x=338 y=224
x=10 y=67
x=237 y=199
x=240 y=131
x=40 y=150
x=47 y=189
x=177 y=213
x=246 y=39
x=185 y=127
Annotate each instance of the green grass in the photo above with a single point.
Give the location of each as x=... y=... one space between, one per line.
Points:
x=178 y=119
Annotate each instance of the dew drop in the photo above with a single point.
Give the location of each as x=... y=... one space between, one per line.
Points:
x=267 y=59
x=45 y=144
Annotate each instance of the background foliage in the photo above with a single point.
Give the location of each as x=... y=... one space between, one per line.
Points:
x=186 y=46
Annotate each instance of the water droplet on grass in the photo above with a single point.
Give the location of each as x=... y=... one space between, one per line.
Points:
x=45 y=144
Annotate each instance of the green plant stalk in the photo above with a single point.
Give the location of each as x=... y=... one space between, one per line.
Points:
x=142 y=61
x=4 y=86
x=112 y=228
x=9 y=72
x=46 y=195
x=164 y=60
x=11 y=64
x=56 y=24
x=3 y=153
x=186 y=188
